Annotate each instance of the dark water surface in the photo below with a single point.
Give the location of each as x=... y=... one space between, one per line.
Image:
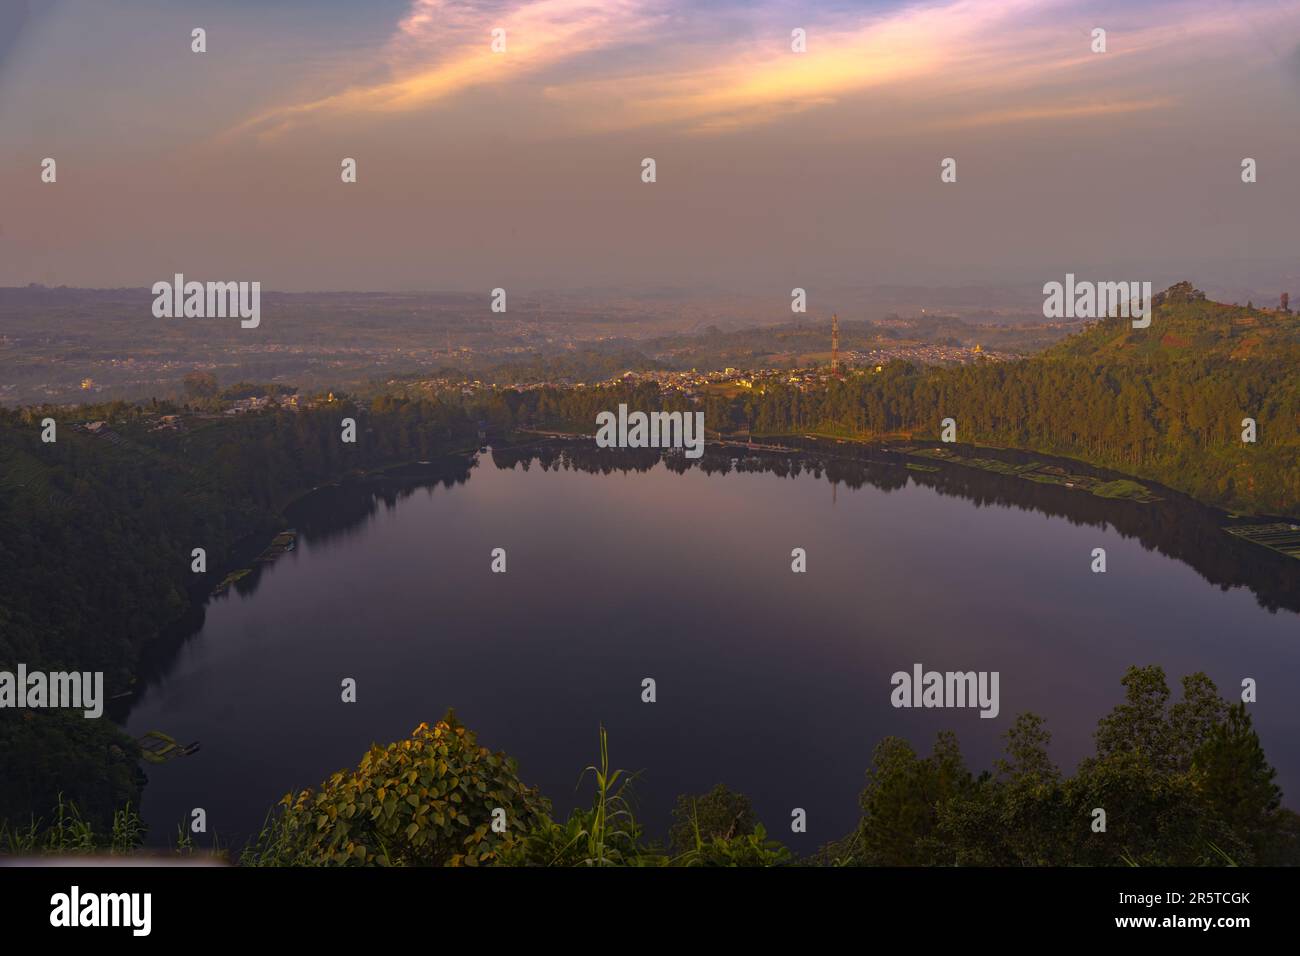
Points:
x=776 y=684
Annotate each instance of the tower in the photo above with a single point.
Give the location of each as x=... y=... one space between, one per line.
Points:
x=835 y=343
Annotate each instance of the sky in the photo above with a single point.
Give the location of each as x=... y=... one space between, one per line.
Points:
x=522 y=169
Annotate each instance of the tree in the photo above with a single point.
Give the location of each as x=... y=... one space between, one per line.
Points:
x=1137 y=726
x=1235 y=780
x=718 y=814
x=903 y=801
x=200 y=385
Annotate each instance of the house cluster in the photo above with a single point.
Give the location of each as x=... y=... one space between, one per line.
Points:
x=928 y=354
x=258 y=403
x=254 y=404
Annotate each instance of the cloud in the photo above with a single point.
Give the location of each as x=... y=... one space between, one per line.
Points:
x=1058 y=111
x=441 y=48
x=706 y=75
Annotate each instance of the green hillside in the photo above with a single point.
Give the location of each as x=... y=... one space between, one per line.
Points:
x=1185 y=325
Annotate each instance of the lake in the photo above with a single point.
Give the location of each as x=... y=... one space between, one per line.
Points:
x=623 y=566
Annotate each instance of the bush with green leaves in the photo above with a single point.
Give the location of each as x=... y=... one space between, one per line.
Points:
x=424 y=801
x=742 y=849
x=718 y=814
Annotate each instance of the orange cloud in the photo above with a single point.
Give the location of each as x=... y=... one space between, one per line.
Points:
x=1016 y=49
x=441 y=48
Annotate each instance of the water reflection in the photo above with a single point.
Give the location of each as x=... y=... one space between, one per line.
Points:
x=627 y=563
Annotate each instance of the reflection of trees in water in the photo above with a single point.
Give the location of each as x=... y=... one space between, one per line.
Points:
x=338 y=512
x=576 y=456
x=1176 y=526
x=327 y=514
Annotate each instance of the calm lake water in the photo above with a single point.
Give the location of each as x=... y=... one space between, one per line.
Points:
x=776 y=684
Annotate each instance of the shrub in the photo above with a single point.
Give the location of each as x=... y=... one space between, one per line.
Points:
x=719 y=814
x=746 y=849
x=425 y=801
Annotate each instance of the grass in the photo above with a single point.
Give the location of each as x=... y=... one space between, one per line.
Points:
x=610 y=807
x=68 y=832
x=1120 y=488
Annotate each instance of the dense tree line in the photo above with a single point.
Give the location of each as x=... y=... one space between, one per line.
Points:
x=1183 y=784
x=1178 y=423
x=1165 y=403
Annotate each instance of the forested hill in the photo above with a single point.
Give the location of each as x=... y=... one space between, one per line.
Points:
x=1187 y=325
x=1170 y=402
